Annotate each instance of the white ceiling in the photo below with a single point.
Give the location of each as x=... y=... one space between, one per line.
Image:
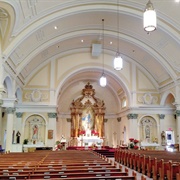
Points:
x=30 y=40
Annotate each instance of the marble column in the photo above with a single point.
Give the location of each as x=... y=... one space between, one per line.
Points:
x=9 y=128
x=178 y=125
x=133 y=126
x=52 y=126
x=18 y=126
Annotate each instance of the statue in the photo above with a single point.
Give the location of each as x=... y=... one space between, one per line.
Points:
x=35 y=132
x=163 y=138
x=18 y=135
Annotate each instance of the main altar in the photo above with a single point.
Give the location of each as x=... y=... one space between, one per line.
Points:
x=87 y=118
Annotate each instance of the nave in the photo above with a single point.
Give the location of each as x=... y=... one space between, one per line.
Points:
x=67 y=164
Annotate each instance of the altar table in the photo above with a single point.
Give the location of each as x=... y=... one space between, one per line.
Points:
x=88 y=141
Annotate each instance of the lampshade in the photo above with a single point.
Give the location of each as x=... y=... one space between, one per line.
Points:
x=118 y=62
x=103 y=81
x=149 y=17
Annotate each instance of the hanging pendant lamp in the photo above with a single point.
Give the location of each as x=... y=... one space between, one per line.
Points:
x=149 y=17
x=118 y=61
x=103 y=80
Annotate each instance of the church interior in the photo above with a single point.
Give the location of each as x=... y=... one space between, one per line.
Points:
x=53 y=55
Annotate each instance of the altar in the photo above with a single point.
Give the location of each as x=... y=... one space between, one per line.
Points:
x=89 y=141
x=31 y=147
x=149 y=146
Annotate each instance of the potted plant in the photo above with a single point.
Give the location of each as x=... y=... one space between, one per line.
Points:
x=25 y=141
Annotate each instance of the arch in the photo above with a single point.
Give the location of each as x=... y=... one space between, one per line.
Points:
x=18 y=95
x=36 y=129
x=8 y=86
x=165 y=97
x=148 y=129
x=118 y=79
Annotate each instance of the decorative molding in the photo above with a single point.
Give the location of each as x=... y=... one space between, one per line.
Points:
x=68 y=119
x=19 y=114
x=52 y=115
x=119 y=119
x=132 y=116
x=10 y=110
x=161 y=116
x=36 y=96
x=147 y=98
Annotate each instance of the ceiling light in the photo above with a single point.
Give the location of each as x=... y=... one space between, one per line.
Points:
x=118 y=61
x=149 y=17
x=103 y=80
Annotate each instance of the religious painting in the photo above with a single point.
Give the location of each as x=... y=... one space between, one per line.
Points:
x=35 y=132
x=50 y=134
x=87 y=119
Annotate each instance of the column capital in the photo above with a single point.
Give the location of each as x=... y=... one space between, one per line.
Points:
x=177 y=113
x=10 y=110
x=119 y=119
x=19 y=114
x=132 y=116
x=161 y=116
x=52 y=115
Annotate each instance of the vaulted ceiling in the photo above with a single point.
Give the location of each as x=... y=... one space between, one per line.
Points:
x=29 y=37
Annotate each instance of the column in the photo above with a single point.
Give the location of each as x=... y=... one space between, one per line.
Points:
x=19 y=124
x=9 y=128
x=52 y=128
x=1 y=130
x=133 y=127
x=178 y=125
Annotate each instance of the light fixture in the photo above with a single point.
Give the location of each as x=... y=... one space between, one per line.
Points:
x=149 y=17
x=103 y=80
x=118 y=61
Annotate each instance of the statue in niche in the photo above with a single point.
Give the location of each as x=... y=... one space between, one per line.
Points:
x=35 y=132
x=163 y=138
x=18 y=135
x=147 y=133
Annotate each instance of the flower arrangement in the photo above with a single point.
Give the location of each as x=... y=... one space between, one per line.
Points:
x=95 y=133
x=133 y=143
x=82 y=132
x=131 y=139
x=136 y=141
